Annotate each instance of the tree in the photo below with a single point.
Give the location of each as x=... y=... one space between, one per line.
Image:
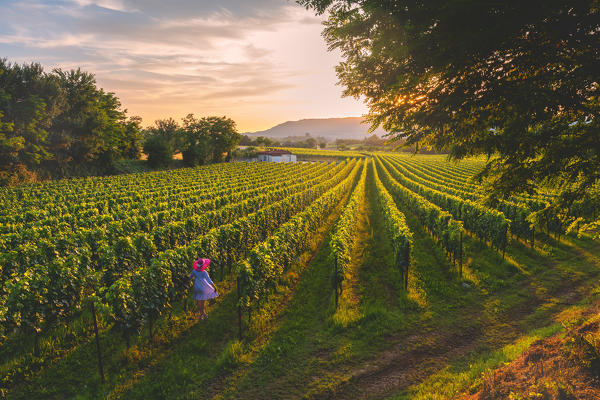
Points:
x=162 y=140
x=264 y=141
x=59 y=120
x=159 y=151
x=514 y=80
x=29 y=100
x=91 y=126
x=195 y=141
x=170 y=130
x=260 y=141
x=223 y=134
x=246 y=141
x=311 y=143
x=374 y=141
x=208 y=138
x=132 y=138
x=9 y=151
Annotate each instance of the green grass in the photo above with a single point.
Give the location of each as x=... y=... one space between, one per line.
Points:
x=299 y=346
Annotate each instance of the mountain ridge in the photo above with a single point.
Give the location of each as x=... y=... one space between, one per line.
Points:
x=328 y=128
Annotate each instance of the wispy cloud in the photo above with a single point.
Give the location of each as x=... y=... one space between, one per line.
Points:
x=115 y=5
x=260 y=61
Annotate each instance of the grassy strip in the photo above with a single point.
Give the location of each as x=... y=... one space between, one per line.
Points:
x=469 y=372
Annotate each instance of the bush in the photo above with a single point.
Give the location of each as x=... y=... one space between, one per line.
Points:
x=159 y=150
x=17 y=174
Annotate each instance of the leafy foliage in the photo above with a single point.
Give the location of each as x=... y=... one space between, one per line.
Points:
x=58 y=121
x=208 y=138
x=129 y=252
x=159 y=150
x=267 y=262
x=437 y=221
x=486 y=223
x=516 y=81
x=343 y=235
x=396 y=226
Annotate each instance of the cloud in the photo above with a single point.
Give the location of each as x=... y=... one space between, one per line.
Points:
x=115 y=5
x=185 y=8
x=161 y=56
x=67 y=40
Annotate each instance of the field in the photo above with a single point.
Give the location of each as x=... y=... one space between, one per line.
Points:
x=373 y=276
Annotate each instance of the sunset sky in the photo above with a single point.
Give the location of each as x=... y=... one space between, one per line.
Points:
x=260 y=62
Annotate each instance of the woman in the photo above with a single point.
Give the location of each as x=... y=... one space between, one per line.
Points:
x=204 y=288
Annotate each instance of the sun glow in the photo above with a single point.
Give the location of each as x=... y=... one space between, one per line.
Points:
x=228 y=57
x=409 y=100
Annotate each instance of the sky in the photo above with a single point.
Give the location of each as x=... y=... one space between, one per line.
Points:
x=260 y=62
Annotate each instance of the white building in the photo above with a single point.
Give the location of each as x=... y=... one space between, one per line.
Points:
x=276 y=156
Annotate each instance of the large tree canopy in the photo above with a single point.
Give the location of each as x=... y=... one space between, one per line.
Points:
x=208 y=138
x=53 y=122
x=515 y=80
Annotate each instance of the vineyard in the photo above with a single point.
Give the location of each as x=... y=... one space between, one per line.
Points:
x=370 y=275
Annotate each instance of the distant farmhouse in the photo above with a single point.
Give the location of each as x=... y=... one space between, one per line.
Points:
x=276 y=156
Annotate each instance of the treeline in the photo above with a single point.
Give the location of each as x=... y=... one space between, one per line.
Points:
x=372 y=142
x=375 y=143
x=54 y=122
x=369 y=143
x=198 y=140
x=60 y=123
x=306 y=142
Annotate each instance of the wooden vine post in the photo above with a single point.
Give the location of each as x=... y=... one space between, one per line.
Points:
x=505 y=241
x=239 y=308
x=460 y=255
x=336 y=285
x=336 y=295
x=98 y=352
x=36 y=343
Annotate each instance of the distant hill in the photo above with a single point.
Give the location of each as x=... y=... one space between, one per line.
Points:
x=329 y=128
